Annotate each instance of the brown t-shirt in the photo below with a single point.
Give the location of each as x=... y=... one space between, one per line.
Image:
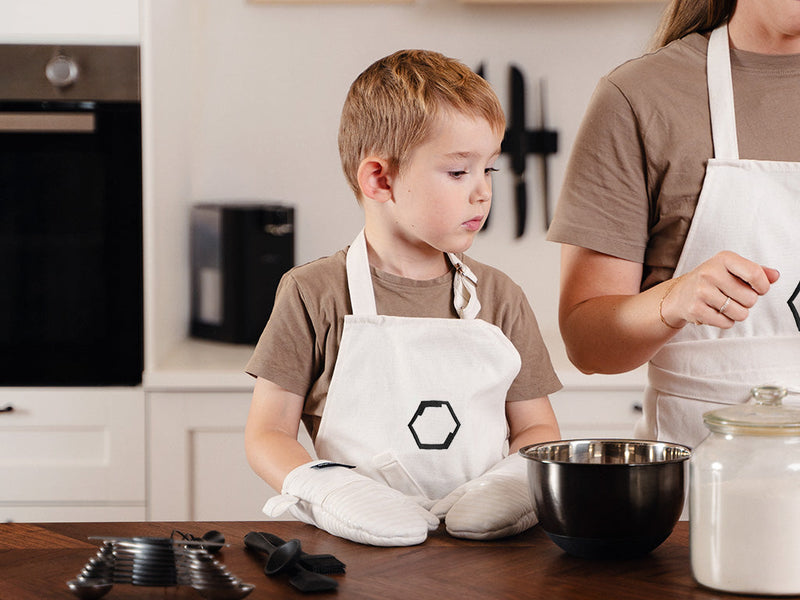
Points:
x=300 y=342
x=639 y=159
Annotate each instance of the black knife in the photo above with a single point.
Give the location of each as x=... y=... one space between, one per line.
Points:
x=480 y=71
x=545 y=173
x=518 y=147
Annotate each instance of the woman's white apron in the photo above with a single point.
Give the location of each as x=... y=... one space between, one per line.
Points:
x=751 y=207
x=417 y=402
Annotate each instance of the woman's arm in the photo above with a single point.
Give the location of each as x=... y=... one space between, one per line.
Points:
x=608 y=326
x=270 y=436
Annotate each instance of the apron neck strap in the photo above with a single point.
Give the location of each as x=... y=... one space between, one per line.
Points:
x=359 y=278
x=362 y=295
x=720 y=95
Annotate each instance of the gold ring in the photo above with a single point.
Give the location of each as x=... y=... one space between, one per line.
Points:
x=725 y=304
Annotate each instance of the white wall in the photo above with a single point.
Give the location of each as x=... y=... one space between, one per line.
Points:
x=69 y=21
x=242 y=100
x=261 y=87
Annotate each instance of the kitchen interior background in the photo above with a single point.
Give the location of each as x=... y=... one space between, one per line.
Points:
x=241 y=100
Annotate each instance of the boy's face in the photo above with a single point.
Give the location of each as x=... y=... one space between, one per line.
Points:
x=443 y=194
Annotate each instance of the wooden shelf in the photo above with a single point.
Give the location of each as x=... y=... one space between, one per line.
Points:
x=556 y=2
x=307 y=2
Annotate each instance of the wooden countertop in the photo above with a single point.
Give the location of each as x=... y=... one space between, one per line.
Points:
x=36 y=561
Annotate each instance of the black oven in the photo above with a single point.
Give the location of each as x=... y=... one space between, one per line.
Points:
x=71 y=286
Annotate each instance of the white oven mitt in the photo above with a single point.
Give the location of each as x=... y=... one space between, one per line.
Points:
x=496 y=504
x=344 y=503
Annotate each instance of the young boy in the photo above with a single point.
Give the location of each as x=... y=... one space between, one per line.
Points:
x=418 y=371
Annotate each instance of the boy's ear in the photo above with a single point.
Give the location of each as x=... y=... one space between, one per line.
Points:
x=374 y=179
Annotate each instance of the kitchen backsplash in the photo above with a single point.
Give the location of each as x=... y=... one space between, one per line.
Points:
x=269 y=82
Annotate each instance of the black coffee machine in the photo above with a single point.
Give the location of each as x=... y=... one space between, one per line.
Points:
x=239 y=253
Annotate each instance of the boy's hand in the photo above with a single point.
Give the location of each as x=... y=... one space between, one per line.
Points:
x=349 y=505
x=494 y=505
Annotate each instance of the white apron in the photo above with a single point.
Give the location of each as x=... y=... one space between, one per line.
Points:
x=418 y=403
x=751 y=207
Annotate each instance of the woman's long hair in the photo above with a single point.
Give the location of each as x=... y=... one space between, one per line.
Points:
x=682 y=17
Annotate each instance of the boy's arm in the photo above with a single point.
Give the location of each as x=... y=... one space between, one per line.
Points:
x=332 y=497
x=530 y=422
x=270 y=436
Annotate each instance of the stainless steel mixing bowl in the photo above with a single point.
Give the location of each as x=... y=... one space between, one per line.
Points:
x=607 y=498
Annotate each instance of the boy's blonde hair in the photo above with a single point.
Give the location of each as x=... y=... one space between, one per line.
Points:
x=392 y=106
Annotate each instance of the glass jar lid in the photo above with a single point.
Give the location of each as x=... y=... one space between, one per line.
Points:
x=764 y=414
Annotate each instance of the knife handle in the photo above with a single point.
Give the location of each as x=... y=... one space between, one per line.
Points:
x=521 y=203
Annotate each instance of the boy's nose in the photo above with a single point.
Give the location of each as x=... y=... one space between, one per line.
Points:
x=482 y=192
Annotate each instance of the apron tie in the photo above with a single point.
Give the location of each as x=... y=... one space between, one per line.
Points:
x=465 y=294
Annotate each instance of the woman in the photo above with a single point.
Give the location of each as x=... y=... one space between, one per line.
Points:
x=680 y=215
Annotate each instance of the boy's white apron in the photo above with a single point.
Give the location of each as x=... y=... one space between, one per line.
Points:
x=416 y=402
x=751 y=207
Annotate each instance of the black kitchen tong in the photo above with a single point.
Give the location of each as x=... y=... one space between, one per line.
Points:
x=307 y=572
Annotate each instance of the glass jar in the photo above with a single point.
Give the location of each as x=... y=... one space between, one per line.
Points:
x=744 y=498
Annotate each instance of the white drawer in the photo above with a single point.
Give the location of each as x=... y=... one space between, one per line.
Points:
x=72 y=445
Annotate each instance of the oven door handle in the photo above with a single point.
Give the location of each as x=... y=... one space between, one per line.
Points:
x=48 y=122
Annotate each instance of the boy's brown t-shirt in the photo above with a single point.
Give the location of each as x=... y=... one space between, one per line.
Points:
x=300 y=343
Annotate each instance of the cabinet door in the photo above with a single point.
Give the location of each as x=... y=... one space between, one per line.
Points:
x=597 y=413
x=197 y=464
x=66 y=448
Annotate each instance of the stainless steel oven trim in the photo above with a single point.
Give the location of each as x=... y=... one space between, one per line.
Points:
x=49 y=72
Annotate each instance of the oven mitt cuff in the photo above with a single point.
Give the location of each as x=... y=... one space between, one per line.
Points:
x=494 y=505
x=347 y=504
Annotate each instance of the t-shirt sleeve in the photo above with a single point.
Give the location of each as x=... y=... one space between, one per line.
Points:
x=507 y=306
x=536 y=377
x=604 y=203
x=285 y=352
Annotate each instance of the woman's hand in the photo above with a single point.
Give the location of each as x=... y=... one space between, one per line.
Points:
x=719 y=292
x=609 y=326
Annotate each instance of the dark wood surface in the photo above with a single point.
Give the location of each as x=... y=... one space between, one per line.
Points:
x=36 y=561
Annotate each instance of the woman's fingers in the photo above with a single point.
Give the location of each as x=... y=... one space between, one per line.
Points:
x=747 y=271
x=721 y=291
x=772 y=274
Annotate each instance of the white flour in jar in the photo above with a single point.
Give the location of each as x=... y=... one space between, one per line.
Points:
x=745 y=535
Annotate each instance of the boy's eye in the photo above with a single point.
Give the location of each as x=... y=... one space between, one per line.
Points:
x=459 y=174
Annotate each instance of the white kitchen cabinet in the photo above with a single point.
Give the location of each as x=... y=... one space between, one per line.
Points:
x=197 y=464
x=597 y=413
x=196 y=461
x=72 y=454
x=597 y=406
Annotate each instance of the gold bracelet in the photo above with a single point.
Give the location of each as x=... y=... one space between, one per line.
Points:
x=661 y=304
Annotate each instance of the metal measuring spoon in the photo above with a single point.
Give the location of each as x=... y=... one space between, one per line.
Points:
x=89 y=590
